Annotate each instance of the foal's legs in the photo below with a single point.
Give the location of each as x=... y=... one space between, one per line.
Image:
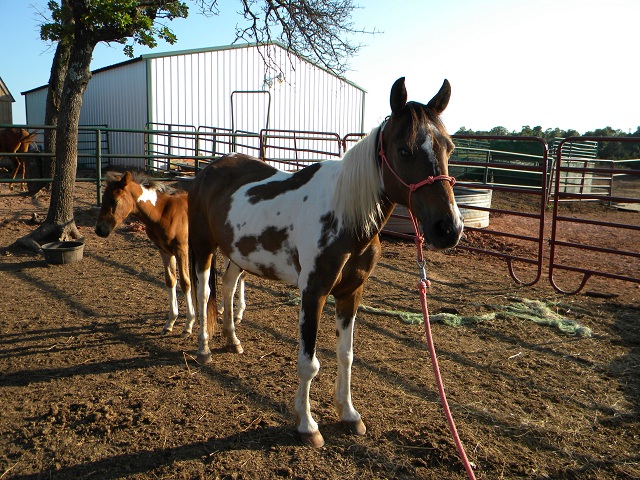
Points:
x=169 y=262
x=19 y=165
x=346 y=308
x=202 y=268
x=185 y=286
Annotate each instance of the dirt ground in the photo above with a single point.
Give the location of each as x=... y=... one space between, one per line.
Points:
x=90 y=388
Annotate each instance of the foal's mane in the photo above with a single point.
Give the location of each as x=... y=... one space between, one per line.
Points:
x=357 y=196
x=142 y=179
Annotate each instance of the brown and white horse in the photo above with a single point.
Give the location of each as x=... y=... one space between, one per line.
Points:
x=318 y=229
x=16 y=140
x=163 y=211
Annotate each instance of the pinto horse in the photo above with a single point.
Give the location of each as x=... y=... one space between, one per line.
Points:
x=163 y=211
x=318 y=229
x=16 y=140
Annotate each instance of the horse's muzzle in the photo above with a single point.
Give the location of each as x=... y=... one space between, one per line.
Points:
x=103 y=229
x=444 y=233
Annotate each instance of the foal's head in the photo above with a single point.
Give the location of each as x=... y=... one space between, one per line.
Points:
x=417 y=147
x=118 y=201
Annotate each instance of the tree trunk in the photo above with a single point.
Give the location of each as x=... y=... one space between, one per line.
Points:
x=60 y=222
x=44 y=167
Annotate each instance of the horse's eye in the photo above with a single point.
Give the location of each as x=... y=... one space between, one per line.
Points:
x=404 y=152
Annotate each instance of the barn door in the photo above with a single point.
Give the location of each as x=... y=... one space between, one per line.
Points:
x=249 y=115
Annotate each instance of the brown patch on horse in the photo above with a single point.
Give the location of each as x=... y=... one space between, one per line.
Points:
x=16 y=140
x=270 y=190
x=271 y=239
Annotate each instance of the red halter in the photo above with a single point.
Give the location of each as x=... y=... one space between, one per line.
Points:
x=414 y=186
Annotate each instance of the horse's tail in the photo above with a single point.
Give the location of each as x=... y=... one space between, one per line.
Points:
x=212 y=308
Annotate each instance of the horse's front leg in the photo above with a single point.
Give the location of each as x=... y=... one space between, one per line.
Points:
x=16 y=163
x=169 y=262
x=308 y=366
x=185 y=286
x=229 y=282
x=346 y=308
x=23 y=185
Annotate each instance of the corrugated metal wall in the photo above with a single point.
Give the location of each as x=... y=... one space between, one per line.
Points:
x=35 y=104
x=117 y=98
x=195 y=88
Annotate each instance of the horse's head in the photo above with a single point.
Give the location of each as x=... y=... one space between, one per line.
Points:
x=117 y=203
x=416 y=150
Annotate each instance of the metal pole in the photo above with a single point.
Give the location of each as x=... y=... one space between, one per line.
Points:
x=98 y=167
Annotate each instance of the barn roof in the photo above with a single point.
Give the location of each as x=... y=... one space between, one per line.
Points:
x=5 y=94
x=146 y=56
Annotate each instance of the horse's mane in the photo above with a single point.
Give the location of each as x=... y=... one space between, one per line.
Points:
x=357 y=195
x=142 y=179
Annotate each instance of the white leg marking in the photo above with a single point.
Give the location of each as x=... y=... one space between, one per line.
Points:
x=173 y=308
x=344 y=353
x=242 y=306
x=308 y=368
x=191 y=313
x=169 y=262
x=229 y=281
x=203 y=292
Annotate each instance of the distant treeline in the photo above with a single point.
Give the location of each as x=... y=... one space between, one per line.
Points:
x=606 y=150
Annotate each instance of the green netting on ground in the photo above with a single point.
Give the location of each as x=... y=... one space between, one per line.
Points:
x=521 y=308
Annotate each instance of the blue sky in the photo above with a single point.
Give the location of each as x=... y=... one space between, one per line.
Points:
x=553 y=63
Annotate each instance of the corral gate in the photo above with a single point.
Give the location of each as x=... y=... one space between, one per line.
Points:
x=576 y=175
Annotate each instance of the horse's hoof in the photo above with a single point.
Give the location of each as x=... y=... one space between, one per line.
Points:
x=166 y=331
x=203 y=358
x=235 y=348
x=185 y=334
x=313 y=440
x=357 y=427
x=237 y=321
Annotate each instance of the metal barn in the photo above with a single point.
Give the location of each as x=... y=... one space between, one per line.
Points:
x=233 y=89
x=6 y=102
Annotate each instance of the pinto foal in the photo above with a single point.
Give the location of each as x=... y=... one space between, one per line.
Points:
x=163 y=211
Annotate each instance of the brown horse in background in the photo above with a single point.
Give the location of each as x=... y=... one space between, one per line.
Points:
x=16 y=140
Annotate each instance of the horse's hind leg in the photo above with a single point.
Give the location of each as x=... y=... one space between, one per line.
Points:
x=233 y=278
x=346 y=308
x=169 y=262
x=242 y=306
x=229 y=282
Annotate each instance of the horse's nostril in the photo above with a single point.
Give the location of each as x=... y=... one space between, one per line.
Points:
x=102 y=230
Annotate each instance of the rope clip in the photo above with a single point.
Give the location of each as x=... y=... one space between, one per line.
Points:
x=423 y=272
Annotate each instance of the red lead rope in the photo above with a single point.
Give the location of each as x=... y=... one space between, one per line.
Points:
x=423 y=284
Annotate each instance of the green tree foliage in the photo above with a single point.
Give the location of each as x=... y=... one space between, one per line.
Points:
x=606 y=150
x=318 y=28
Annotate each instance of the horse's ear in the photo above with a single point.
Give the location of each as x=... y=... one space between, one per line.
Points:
x=127 y=177
x=398 y=95
x=441 y=99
